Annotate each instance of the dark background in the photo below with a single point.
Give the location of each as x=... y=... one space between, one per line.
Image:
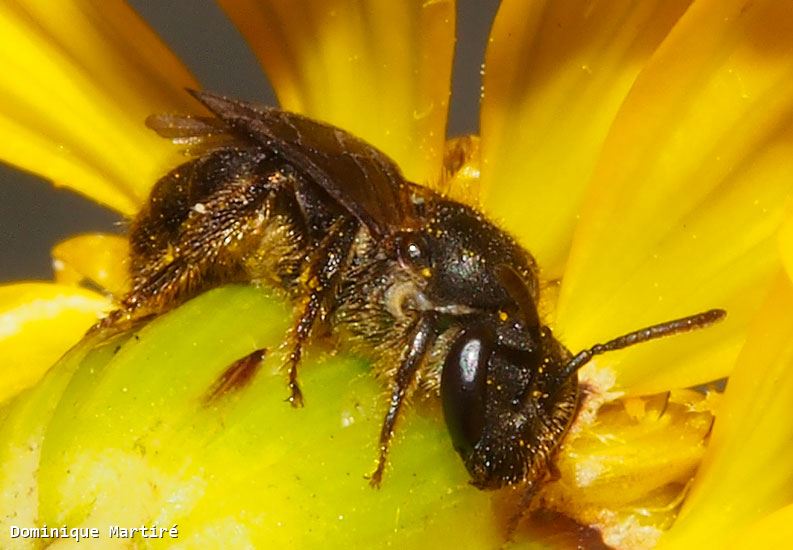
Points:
x=34 y=216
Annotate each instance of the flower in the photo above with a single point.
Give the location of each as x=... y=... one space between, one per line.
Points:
x=650 y=161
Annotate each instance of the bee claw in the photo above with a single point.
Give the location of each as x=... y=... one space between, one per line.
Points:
x=113 y=318
x=296 y=397
x=376 y=478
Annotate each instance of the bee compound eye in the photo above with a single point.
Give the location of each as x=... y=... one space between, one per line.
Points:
x=463 y=386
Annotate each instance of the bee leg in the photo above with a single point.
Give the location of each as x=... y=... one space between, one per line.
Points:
x=320 y=278
x=522 y=510
x=421 y=339
x=553 y=471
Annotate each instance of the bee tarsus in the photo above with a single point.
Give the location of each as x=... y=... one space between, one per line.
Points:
x=420 y=339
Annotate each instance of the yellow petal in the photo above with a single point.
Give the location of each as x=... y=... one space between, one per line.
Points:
x=378 y=68
x=786 y=243
x=555 y=75
x=98 y=258
x=38 y=323
x=78 y=81
x=625 y=473
x=773 y=531
x=688 y=195
x=747 y=471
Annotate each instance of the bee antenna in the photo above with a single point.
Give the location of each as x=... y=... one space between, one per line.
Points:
x=678 y=326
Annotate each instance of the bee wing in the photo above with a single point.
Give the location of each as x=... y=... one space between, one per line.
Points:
x=200 y=134
x=357 y=176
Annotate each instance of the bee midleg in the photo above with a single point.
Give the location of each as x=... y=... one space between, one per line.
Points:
x=421 y=338
x=320 y=278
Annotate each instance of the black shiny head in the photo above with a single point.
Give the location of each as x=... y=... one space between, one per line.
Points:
x=503 y=406
x=510 y=390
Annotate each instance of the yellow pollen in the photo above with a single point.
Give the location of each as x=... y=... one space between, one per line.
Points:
x=311 y=281
x=169 y=255
x=426 y=272
x=503 y=315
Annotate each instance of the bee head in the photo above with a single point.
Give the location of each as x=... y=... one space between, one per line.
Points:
x=504 y=407
x=510 y=390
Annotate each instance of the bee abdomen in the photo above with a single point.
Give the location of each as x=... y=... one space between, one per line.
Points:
x=216 y=219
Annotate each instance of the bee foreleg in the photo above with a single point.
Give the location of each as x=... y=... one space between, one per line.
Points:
x=319 y=280
x=421 y=339
x=523 y=508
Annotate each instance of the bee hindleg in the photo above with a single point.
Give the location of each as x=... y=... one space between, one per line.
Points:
x=320 y=279
x=421 y=338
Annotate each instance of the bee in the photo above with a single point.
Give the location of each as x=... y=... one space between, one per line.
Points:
x=441 y=298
